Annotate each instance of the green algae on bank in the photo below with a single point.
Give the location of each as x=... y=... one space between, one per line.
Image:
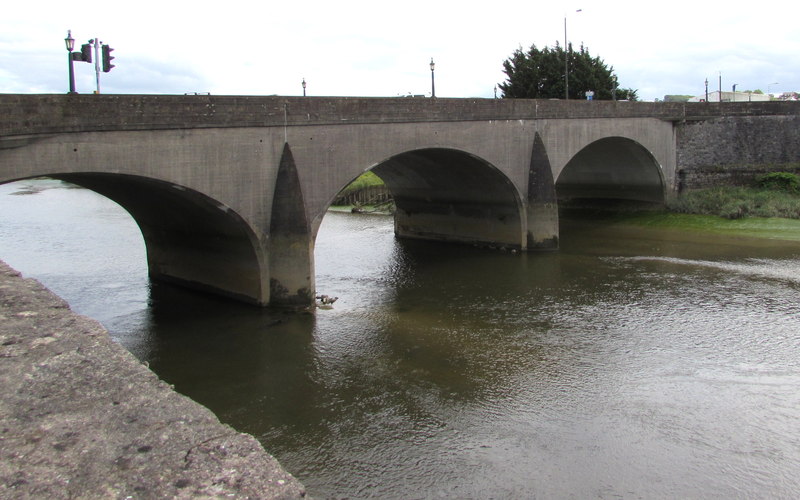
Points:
x=753 y=227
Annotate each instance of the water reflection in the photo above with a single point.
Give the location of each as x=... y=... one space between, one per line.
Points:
x=634 y=362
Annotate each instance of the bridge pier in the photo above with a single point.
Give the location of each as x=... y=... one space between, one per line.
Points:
x=542 y=205
x=291 y=248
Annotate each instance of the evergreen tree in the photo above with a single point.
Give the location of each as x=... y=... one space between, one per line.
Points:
x=539 y=74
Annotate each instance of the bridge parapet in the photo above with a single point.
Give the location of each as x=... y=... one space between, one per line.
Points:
x=25 y=114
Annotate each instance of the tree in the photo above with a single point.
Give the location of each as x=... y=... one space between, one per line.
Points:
x=539 y=74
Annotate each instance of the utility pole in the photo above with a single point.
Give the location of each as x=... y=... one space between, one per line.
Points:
x=566 y=63
x=566 y=58
x=95 y=42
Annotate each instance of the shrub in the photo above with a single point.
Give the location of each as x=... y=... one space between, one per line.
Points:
x=365 y=180
x=779 y=181
x=738 y=202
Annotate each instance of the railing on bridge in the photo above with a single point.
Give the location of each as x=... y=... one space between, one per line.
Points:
x=371 y=195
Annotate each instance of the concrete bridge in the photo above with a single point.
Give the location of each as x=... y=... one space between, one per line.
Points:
x=229 y=191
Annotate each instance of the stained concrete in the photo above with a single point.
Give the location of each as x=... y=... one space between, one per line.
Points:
x=209 y=178
x=80 y=417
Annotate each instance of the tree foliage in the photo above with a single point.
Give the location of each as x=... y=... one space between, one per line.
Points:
x=539 y=74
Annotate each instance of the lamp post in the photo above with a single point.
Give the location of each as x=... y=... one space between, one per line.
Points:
x=769 y=89
x=706 y=89
x=304 y=87
x=70 y=43
x=433 y=85
x=566 y=59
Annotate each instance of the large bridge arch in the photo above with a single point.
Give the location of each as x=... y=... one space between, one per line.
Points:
x=612 y=168
x=190 y=239
x=446 y=194
x=201 y=197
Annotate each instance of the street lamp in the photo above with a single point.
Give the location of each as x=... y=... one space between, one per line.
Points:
x=70 y=43
x=304 y=87
x=433 y=85
x=769 y=89
x=566 y=59
x=706 y=89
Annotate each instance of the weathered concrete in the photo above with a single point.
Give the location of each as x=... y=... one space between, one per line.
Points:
x=80 y=417
x=230 y=191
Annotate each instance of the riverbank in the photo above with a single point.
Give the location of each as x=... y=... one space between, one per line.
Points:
x=80 y=417
x=383 y=209
x=773 y=228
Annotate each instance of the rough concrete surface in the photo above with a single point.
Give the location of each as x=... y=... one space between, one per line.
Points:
x=80 y=417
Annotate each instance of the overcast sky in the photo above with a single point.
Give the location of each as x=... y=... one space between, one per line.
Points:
x=374 y=48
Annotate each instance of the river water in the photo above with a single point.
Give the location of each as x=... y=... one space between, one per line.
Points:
x=632 y=363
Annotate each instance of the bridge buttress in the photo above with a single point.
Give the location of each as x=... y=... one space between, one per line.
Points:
x=291 y=247
x=542 y=203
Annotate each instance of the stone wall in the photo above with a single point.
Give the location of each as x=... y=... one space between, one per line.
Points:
x=734 y=150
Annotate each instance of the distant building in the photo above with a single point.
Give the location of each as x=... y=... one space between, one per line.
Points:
x=731 y=97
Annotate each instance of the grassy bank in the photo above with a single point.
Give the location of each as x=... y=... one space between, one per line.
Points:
x=738 y=203
x=751 y=227
x=769 y=209
x=776 y=194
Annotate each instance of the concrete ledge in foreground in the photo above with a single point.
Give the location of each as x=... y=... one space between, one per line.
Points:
x=80 y=417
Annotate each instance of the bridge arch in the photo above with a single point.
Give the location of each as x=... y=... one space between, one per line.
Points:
x=612 y=168
x=190 y=239
x=446 y=194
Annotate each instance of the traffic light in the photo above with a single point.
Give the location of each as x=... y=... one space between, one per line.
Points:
x=107 y=57
x=86 y=52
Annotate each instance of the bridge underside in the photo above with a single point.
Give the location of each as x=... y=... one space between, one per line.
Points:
x=448 y=195
x=191 y=240
x=614 y=168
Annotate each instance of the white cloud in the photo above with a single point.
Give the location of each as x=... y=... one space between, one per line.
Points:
x=356 y=47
